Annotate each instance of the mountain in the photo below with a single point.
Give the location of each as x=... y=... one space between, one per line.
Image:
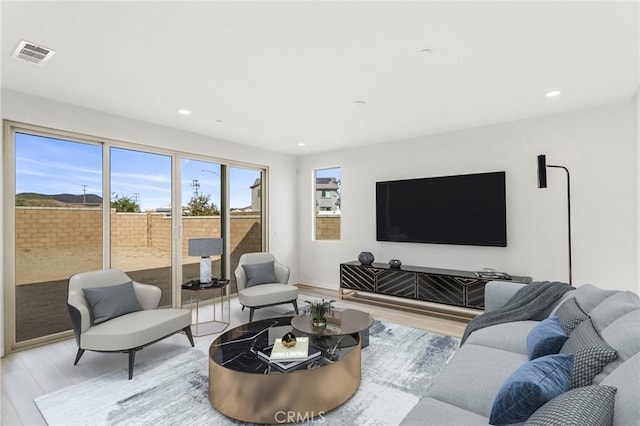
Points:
x=35 y=199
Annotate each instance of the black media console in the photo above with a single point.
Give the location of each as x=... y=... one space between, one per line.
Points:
x=445 y=286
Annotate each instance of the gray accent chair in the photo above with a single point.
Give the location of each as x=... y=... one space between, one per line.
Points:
x=126 y=333
x=265 y=294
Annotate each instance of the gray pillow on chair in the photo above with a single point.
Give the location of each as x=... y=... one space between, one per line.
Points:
x=111 y=301
x=260 y=273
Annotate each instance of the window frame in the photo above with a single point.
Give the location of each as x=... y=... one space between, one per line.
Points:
x=10 y=128
x=316 y=207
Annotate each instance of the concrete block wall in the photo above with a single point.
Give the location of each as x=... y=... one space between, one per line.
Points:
x=327 y=227
x=51 y=226
x=159 y=232
x=82 y=227
x=199 y=227
x=129 y=229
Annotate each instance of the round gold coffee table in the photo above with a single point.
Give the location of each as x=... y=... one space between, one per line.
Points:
x=245 y=386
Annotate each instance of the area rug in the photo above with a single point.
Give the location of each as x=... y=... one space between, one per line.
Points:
x=398 y=367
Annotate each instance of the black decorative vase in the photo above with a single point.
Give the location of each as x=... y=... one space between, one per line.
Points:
x=366 y=258
x=395 y=263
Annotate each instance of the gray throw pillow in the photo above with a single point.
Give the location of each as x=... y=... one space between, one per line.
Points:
x=111 y=301
x=260 y=273
x=591 y=353
x=570 y=315
x=588 y=405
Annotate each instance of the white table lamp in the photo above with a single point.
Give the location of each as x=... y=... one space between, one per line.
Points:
x=205 y=247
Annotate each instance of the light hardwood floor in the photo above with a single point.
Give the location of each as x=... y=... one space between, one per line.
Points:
x=34 y=372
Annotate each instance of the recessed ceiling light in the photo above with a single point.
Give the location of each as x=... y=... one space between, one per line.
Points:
x=552 y=93
x=301 y=144
x=219 y=121
x=184 y=112
x=358 y=104
x=426 y=52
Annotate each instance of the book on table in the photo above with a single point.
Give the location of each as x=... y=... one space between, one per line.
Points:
x=287 y=358
x=280 y=352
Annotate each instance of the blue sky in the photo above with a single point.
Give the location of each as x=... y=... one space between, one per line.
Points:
x=332 y=172
x=53 y=166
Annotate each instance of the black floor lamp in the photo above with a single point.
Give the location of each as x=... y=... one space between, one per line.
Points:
x=542 y=183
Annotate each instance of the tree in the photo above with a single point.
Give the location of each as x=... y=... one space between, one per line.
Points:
x=125 y=204
x=201 y=205
x=339 y=194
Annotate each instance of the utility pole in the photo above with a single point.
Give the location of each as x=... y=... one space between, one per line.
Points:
x=196 y=186
x=84 y=194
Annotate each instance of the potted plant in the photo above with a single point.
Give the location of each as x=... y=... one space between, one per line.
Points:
x=319 y=310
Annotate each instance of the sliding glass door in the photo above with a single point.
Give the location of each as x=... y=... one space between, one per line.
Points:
x=201 y=213
x=140 y=217
x=58 y=228
x=246 y=208
x=77 y=203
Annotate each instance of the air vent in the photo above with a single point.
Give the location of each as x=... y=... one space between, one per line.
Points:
x=33 y=53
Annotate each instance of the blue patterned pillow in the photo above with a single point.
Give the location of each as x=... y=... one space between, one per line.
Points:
x=530 y=386
x=546 y=338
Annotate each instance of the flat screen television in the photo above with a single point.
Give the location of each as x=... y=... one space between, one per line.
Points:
x=463 y=209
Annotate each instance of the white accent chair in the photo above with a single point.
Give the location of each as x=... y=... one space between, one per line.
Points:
x=125 y=333
x=265 y=294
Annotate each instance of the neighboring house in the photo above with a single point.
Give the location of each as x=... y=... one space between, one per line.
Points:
x=327 y=197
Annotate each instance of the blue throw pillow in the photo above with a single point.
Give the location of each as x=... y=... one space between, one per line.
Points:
x=260 y=273
x=530 y=386
x=546 y=338
x=111 y=301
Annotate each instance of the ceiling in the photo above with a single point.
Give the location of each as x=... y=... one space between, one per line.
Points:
x=277 y=74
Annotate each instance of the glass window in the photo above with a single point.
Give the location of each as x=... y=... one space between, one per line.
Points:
x=246 y=214
x=58 y=228
x=328 y=199
x=140 y=217
x=201 y=213
x=60 y=219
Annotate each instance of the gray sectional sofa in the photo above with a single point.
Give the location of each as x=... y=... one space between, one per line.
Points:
x=464 y=391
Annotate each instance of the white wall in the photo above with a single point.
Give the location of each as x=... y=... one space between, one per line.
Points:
x=638 y=181
x=282 y=168
x=598 y=145
x=2 y=318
